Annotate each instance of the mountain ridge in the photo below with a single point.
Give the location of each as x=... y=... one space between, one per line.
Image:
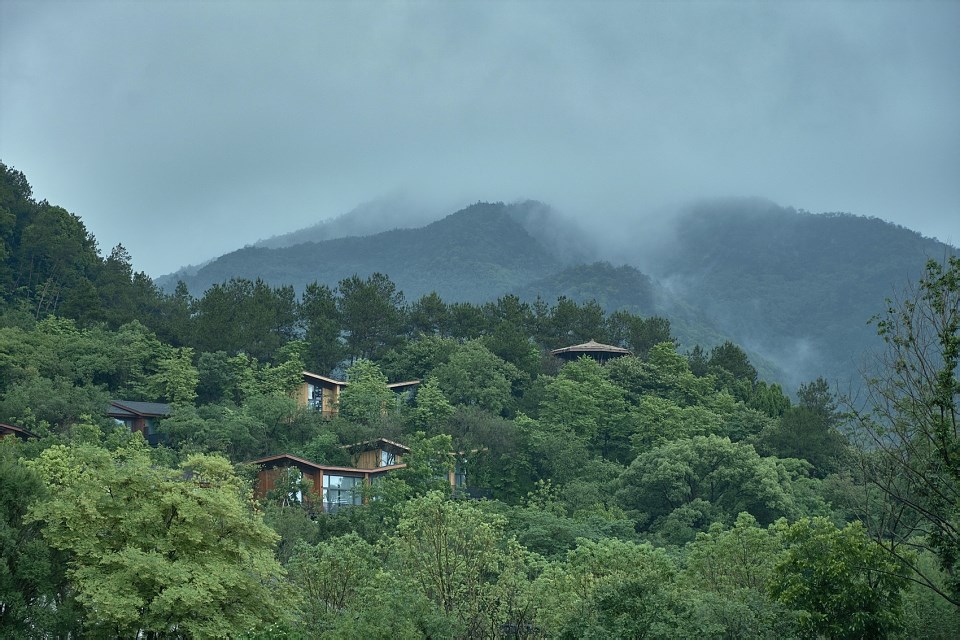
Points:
x=794 y=288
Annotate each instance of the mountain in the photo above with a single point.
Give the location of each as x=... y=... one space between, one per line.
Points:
x=383 y=214
x=797 y=287
x=473 y=255
x=613 y=288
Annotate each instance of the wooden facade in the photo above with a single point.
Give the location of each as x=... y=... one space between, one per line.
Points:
x=139 y=416
x=323 y=393
x=378 y=453
x=327 y=487
x=320 y=392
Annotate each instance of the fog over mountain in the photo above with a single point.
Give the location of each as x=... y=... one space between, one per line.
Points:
x=185 y=130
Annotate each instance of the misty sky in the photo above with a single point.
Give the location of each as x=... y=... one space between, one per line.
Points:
x=185 y=130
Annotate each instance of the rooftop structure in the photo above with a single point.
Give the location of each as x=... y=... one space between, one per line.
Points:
x=18 y=432
x=592 y=349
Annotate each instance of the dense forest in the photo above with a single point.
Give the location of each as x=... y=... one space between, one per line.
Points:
x=669 y=493
x=792 y=288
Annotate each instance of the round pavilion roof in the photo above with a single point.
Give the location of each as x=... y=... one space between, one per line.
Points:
x=591 y=348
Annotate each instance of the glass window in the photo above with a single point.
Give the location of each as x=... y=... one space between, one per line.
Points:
x=339 y=491
x=315 y=396
x=387 y=458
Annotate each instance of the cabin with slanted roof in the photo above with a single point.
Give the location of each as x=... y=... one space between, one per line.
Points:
x=14 y=432
x=330 y=487
x=599 y=352
x=140 y=416
x=320 y=393
x=374 y=454
x=323 y=393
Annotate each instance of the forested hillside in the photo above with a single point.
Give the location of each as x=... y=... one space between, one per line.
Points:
x=795 y=287
x=668 y=493
x=482 y=245
x=808 y=283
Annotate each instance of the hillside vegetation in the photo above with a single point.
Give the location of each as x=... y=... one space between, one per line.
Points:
x=668 y=493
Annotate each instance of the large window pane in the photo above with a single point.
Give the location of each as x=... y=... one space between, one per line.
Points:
x=339 y=491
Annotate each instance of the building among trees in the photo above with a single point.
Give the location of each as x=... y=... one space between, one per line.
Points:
x=592 y=349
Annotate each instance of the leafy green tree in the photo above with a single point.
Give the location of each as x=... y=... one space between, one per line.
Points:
x=474 y=376
x=57 y=256
x=248 y=316
x=809 y=431
x=35 y=598
x=639 y=334
x=159 y=551
x=582 y=399
x=456 y=555
x=416 y=359
x=683 y=486
x=433 y=411
x=467 y=321
x=366 y=398
x=734 y=360
x=659 y=420
x=330 y=576
x=909 y=432
x=731 y=367
x=429 y=464
x=497 y=453
x=320 y=319
x=611 y=588
x=729 y=560
x=770 y=399
x=371 y=314
x=567 y=323
x=843 y=584
x=664 y=373
x=429 y=316
x=176 y=378
x=699 y=361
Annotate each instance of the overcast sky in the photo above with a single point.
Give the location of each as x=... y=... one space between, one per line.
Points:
x=187 y=129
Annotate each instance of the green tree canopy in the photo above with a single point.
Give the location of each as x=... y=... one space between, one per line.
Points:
x=156 y=550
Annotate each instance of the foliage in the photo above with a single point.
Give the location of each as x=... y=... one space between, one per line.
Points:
x=371 y=313
x=366 y=397
x=329 y=576
x=474 y=376
x=683 y=486
x=809 y=431
x=35 y=598
x=157 y=550
x=909 y=432
x=843 y=584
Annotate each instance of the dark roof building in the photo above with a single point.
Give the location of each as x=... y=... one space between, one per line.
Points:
x=139 y=416
x=599 y=352
x=18 y=432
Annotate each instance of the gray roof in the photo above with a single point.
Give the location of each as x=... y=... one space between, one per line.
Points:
x=591 y=347
x=131 y=408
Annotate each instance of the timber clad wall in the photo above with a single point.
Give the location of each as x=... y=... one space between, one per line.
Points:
x=368 y=459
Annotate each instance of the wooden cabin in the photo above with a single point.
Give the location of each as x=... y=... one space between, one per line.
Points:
x=330 y=488
x=319 y=392
x=599 y=352
x=323 y=393
x=140 y=416
x=375 y=454
x=15 y=432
